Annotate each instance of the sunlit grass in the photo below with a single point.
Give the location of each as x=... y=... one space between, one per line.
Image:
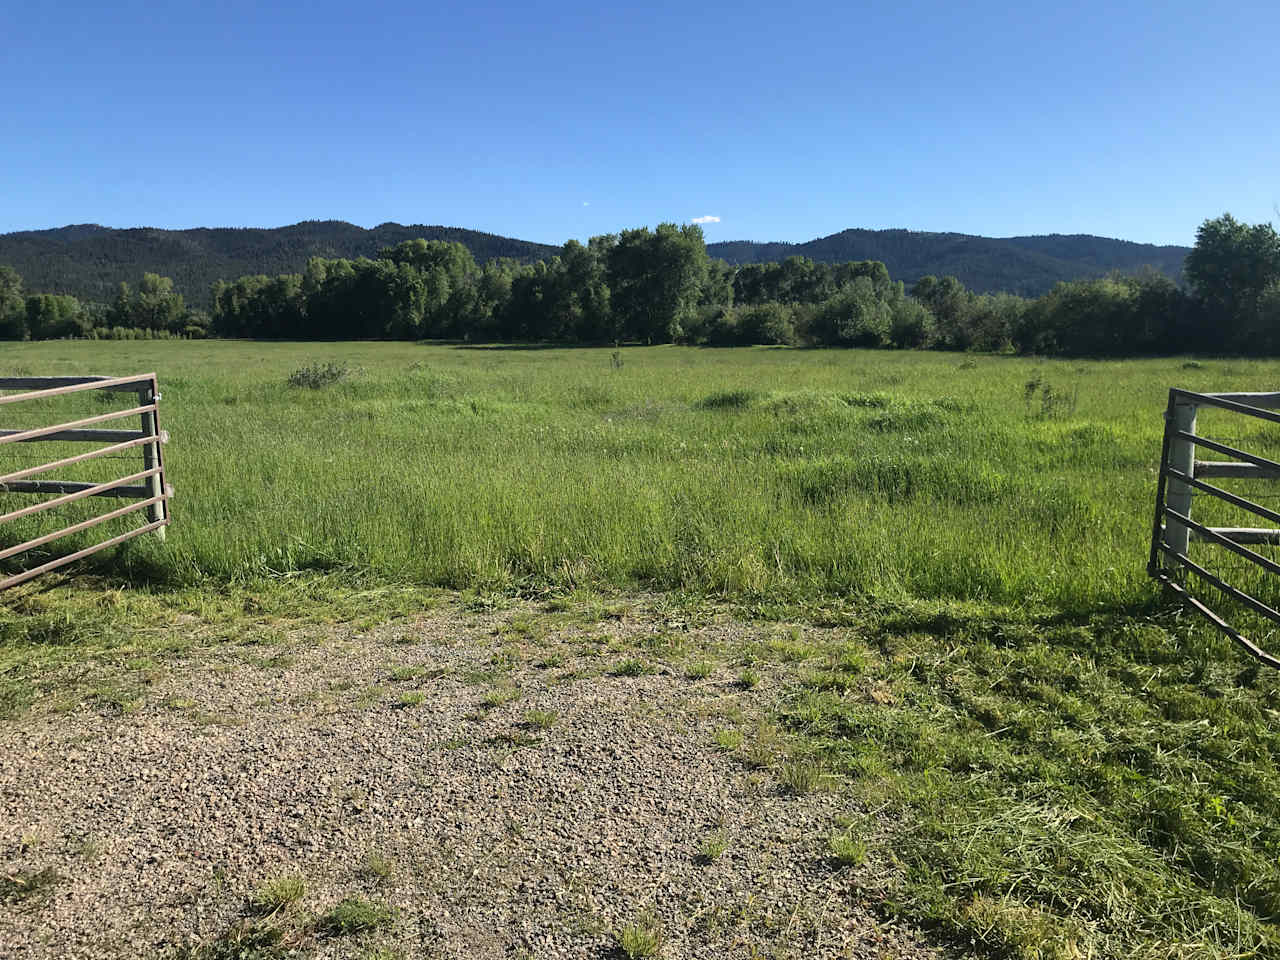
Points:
x=849 y=472
x=1055 y=789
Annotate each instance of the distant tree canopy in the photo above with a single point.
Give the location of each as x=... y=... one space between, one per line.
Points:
x=13 y=323
x=659 y=286
x=1235 y=270
x=89 y=261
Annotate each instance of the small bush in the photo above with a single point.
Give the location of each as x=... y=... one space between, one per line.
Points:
x=763 y=748
x=1045 y=401
x=499 y=696
x=316 y=375
x=874 y=401
x=589 y=396
x=244 y=941
x=896 y=479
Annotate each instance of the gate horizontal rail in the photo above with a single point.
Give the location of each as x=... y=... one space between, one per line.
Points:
x=147 y=486
x=1174 y=529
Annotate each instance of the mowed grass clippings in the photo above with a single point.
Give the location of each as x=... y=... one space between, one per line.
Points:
x=1105 y=788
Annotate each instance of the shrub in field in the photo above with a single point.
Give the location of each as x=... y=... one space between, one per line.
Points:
x=1045 y=401
x=317 y=375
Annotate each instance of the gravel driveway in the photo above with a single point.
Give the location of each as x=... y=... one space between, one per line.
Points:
x=501 y=793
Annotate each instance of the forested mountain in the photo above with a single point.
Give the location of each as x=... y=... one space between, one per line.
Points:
x=1028 y=266
x=90 y=261
x=660 y=286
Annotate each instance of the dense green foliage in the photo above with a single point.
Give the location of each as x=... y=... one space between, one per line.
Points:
x=1235 y=268
x=89 y=261
x=154 y=310
x=640 y=285
x=660 y=286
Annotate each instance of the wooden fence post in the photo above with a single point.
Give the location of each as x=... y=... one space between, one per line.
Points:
x=1182 y=457
x=151 y=456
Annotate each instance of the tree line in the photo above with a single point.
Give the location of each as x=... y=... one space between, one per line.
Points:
x=153 y=310
x=660 y=286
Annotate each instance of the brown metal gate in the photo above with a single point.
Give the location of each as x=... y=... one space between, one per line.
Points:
x=1182 y=477
x=146 y=486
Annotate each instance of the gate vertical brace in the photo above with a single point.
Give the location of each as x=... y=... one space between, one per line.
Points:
x=1155 y=562
x=151 y=457
x=1181 y=457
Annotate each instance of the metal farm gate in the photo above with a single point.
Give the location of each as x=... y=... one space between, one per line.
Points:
x=146 y=486
x=1182 y=477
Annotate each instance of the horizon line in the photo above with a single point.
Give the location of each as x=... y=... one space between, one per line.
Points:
x=396 y=223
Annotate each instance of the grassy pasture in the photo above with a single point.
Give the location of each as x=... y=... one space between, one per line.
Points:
x=1043 y=760
x=775 y=474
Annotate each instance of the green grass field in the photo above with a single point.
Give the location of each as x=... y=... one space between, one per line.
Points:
x=1071 y=767
x=753 y=473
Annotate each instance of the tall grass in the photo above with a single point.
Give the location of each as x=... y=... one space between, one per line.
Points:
x=752 y=472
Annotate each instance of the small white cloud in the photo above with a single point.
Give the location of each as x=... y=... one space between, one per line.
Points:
x=707 y=219
x=586 y=203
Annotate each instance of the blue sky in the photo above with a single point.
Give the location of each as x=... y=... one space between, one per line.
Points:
x=548 y=121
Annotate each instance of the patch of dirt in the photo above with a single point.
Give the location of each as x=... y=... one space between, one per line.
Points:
x=399 y=765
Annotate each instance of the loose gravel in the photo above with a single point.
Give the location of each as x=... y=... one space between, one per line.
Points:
x=506 y=793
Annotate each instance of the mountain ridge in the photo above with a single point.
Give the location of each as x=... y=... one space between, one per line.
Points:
x=91 y=260
x=1028 y=265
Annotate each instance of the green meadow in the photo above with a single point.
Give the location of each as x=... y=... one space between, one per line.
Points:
x=762 y=473
x=1044 y=757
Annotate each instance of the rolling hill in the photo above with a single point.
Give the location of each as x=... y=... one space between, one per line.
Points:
x=1025 y=265
x=90 y=261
